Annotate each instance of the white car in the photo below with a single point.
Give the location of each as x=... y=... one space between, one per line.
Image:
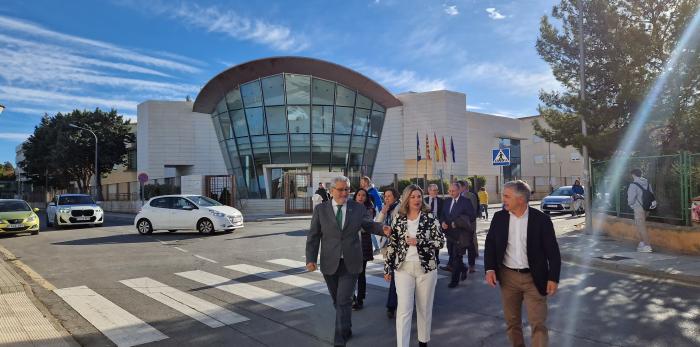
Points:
x=73 y=209
x=186 y=212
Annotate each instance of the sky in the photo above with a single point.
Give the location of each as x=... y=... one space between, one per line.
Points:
x=57 y=56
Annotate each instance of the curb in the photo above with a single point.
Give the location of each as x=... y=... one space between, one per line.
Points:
x=606 y=265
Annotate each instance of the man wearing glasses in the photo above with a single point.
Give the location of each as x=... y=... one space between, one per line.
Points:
x=336 y=227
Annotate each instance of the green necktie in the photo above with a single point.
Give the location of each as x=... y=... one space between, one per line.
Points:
x=339 y=217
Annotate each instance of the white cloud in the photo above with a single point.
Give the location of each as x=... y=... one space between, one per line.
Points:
x=97 y=47
x=61 y=100
x=402 y=80
x=494 y=14
x=451 y=10
x=15 y=137
x=225 y=21
x=516 y=81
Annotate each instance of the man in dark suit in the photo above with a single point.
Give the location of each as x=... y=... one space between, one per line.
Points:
x=456 y=224
x=335 y=227
x=435 y=203
x=322 y=192
x=522 y=255
x=473 y=249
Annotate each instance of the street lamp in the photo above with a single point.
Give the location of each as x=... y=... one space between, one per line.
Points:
x=97 y=172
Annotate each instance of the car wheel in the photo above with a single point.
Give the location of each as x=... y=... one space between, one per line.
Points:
x=205 y=226
x=48 y=221
x=35 y=232
x=144 y=226
x=172 y=230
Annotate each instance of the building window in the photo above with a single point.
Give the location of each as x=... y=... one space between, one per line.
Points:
x=131 y=159
x=539 y=159
x=575 y=156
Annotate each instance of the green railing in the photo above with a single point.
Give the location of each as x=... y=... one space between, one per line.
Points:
x=675 y=180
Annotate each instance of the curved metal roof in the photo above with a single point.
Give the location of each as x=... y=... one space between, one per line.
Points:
x=222 y=83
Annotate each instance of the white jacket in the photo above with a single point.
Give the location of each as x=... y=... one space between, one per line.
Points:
x=634 y=193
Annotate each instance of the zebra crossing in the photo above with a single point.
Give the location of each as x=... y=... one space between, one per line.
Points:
x=126 y=329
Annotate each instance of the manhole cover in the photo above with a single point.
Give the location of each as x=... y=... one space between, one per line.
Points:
x=613 y=257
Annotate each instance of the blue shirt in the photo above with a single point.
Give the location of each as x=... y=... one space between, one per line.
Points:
x=374 y=194
x=577 y=189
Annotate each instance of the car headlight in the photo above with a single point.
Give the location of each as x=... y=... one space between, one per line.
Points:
x=216 y=213
x=98 y=210
x=31 y=219
x=64 y=210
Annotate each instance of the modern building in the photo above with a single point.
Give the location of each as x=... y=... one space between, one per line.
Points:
x=284 y=114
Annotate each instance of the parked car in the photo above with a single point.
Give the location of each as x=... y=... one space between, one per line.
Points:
x=73 y=209
x=16 y=216
x=560 y=200
x=186 y=212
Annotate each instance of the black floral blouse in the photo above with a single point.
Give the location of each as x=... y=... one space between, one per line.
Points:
x=430 y=238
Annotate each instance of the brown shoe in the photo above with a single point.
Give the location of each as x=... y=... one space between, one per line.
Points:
x=446 y=268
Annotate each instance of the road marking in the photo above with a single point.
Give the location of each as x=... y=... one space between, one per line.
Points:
x=27 y=270
x=292 y=280
x=277 y=301
x=212 y=315
x=120 y=326
x=180 y=249
x=373 y=280
x=207 y=259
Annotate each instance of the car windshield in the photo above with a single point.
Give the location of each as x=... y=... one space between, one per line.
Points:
x=14 y=206
x=204 y=201
x=76 y=200
x=563 y=192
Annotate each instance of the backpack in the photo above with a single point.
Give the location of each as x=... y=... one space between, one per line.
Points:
x=648 y=198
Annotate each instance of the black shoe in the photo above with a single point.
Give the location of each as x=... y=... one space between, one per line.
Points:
x=357 y=304
x=452 y=285
x=463 y=276
x=422 y=344
x=390 y=314
x=446 y=268
x=348 y=335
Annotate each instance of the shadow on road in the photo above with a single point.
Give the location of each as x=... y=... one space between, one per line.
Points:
x=135 y=238
x=288 y=233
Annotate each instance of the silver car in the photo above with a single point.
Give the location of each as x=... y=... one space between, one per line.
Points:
x=73 y=209
x=561 y=200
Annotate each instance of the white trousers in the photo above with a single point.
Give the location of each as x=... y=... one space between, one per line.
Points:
x=412 y=282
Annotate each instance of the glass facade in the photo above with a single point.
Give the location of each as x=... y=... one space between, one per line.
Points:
x=290 y=119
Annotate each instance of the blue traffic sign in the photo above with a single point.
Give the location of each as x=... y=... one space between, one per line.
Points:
x=500 y=156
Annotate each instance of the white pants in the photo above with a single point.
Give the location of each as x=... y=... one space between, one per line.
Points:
x=412 y=281
x=640 y=218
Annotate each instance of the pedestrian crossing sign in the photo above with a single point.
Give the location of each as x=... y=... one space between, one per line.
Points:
x=500 y=156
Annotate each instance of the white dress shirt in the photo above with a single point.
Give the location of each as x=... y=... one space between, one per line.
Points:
x=516 y=251
x=345 y=212
x=412 y=229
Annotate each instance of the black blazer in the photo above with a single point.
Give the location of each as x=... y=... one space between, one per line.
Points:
x=440 y=204
x=461 y=214
x=542 y=248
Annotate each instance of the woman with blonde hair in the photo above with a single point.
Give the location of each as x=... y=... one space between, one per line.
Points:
x=415 y=236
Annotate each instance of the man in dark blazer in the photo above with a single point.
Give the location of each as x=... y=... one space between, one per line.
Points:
x=435 y=203
x=522 y=255
x=456 y=225
x=335 y=227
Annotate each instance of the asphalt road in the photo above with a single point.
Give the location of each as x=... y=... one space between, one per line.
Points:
x=593 y=308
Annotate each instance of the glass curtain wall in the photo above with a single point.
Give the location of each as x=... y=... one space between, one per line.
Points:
x=295 y=119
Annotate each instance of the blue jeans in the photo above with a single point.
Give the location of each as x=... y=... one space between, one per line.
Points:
x=375 y=243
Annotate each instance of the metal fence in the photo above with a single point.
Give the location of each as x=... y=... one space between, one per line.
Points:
x=675 y=181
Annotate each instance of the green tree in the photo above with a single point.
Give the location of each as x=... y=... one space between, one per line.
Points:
x=58 y=154
x=627 y=43
x=7 y=172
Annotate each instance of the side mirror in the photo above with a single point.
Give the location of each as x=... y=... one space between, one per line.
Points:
x=36 y=209
x=188 y=207
x=52 y=204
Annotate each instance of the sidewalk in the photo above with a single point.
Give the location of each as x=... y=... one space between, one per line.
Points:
x=606 y=253
x=22 y=323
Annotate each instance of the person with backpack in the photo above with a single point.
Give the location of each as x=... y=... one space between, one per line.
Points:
x=641 y=200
